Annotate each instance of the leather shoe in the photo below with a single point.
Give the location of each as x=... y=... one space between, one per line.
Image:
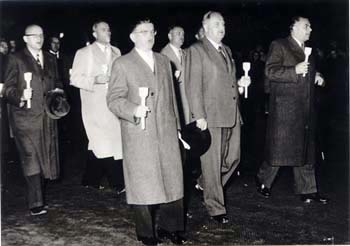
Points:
x=174 y=237
x=149 y=241
x=313 y=197
x=262 y=189
x=221 y=219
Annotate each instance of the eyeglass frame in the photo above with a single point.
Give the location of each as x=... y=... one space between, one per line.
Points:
x=153 y=32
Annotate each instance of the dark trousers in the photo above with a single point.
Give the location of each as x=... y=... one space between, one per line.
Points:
x=304 y=177
x=96 y=169
x=170 y=217
x=35 y=187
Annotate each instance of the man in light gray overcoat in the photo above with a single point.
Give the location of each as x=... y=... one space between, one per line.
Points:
x=152 y=161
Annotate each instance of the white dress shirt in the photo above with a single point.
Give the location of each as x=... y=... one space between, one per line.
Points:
x=35 y=55
x=147 y=56
x=177 y=52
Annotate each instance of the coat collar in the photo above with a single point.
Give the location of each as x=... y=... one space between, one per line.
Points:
x=216 y=56
x=296 y=49
x=36 y=67
x=156 y=78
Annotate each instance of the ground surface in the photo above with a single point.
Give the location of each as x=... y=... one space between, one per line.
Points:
x=82 y=216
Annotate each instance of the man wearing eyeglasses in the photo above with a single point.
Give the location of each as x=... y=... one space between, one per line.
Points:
x=91 y=74
x=212 y=91
x=35 y=133
x=152 y=161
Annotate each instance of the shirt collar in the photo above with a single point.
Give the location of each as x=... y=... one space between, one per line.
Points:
x=215 y=44
x=176 y=50
x=102 y=46
x=144 y=53
x=35 y=53
x=57 y=53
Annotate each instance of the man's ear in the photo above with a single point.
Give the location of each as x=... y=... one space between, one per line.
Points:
x=132 y=37
x=94 y=34
x=25 y=39
x=169 y=36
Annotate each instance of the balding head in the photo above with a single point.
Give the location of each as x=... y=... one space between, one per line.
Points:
x=214 y=26
x=34 y=37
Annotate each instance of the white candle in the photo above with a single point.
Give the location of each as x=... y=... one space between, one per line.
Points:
x=307 y=52
x=246 y=68
x=143 y=93
x=28 y=78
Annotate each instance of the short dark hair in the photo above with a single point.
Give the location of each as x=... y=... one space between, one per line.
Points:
x=96 y=23
x=294 y=20
x=139 y=22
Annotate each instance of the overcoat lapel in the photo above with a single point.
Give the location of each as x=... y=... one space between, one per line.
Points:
x=98 y=54
x=296 y=50
x=32 y=62
x=214 y=55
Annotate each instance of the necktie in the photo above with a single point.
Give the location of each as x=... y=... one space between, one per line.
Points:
x=107 y=52
x=181 y=55
x=221 y=51
x=38 y=60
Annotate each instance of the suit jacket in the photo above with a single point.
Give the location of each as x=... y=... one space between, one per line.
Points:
x=211 y=85
x=101 y=126
x=152 y=161
x=35 y=133
x=290 y=139
x=180 y=92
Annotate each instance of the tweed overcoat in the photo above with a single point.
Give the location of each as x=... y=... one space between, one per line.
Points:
x=152 y=162
x=290 y=139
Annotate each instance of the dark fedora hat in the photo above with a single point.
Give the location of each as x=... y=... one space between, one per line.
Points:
x=56 y=105
x=198 y=140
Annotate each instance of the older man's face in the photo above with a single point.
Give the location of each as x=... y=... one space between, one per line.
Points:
x=34 y=38
x=144 y=36
x=215 y=28
x=177 y=36
x=103 y=33
x=302 y=29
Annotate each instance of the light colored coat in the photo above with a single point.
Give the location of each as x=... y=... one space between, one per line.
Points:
x=101 y=126
x=180 y=83
x=152 y=161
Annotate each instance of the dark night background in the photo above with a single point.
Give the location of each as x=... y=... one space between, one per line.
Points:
x=248 y=22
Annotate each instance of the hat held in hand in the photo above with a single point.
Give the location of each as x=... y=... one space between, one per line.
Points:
x=56 y=105
x=199 y=140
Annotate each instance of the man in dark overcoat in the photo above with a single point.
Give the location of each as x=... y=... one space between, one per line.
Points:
x=290 y=139
x=35 y=133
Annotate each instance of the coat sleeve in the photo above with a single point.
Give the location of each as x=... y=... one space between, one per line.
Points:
x=275 y=70
x=12 y=91
x=194 y=83
x=117 y=95
x=176 y=110
x=58 y=81
x=80 y=76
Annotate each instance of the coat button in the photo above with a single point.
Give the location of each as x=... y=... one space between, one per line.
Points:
x=233 y=86
x=152 y=94
x=234 y=98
